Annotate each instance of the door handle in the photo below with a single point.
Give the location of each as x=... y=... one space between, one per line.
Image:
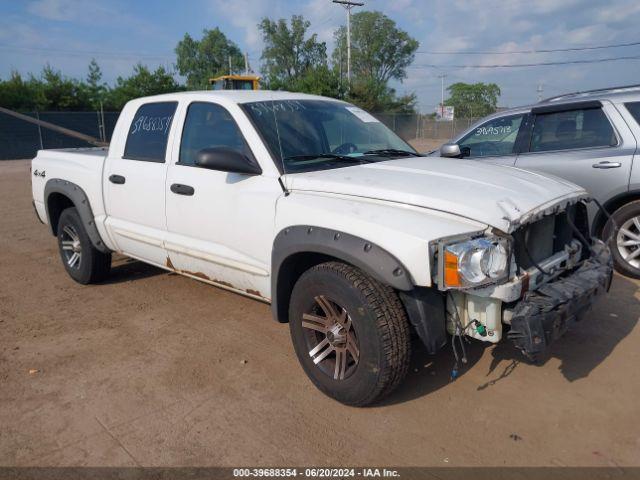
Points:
x=117 y=179
x=606 y=164
x=180 y=189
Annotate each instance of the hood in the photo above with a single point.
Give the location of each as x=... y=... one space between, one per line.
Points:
x=499 y=196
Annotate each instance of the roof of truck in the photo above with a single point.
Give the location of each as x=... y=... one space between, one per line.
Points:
x=237 y=96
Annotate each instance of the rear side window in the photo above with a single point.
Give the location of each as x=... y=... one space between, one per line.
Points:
x=634 y=110
x=209 y=126
x=572 y=130
x=149 y=131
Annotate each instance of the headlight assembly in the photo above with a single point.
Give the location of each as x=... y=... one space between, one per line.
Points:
x=474 y=263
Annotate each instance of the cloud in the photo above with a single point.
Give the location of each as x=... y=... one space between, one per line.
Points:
x=324 y=16
x=86 y=12
x=68 y=10
x=439 y=25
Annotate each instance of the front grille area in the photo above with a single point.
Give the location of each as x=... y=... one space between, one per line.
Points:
x=539 y=240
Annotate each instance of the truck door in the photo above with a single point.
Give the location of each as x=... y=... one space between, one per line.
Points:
x=134 y=183
x=219 y=224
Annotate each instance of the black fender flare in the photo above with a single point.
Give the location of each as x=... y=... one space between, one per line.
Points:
x=361 y=253
x=79 y=198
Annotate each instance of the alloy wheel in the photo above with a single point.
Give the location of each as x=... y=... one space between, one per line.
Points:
x=71 y=247
x=331 y=339
x=628 y=241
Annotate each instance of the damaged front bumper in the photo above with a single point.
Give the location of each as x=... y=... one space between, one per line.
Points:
x=545 y=314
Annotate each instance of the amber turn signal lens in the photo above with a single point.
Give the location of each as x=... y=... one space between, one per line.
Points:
x=451 y=274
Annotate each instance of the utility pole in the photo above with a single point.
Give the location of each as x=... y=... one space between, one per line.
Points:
x=348 y=5
x=442 y=77
x=540 y=89
x=246 y=63
x=230 y=72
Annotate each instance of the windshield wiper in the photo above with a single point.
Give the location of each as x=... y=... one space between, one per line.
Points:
x=391 y=152
x=331 y=156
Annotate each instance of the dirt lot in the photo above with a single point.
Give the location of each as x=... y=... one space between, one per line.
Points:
x=424 y=145
x=155 y=369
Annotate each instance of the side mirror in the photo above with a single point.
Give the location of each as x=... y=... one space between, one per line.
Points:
x=451 y=150
x=227 y=160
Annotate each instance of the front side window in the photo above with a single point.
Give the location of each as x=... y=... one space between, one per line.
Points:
x=307 y=135
x=149 y=132
x=494 y=138
x=570 y=130
x=208 y=125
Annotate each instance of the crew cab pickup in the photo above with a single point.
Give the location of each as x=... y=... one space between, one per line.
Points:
x=313 y=205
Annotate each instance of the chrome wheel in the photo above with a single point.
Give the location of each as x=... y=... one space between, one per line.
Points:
x=628 y=241
x=71 y=247
x=331 y=339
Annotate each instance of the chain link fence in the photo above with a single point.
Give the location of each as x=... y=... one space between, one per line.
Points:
x=21 y=139
x=423 y=131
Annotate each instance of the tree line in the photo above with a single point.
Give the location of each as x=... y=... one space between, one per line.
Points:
x=292 y=59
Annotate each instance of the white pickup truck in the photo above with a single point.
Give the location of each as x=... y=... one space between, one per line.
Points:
x=313 y=205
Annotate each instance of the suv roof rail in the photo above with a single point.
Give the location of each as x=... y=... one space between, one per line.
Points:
x=596 y=90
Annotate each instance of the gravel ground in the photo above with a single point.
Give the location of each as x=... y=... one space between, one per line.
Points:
x=155 y=369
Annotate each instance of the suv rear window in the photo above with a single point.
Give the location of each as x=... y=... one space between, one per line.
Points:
x=634 y=110
x=570 y=130
x=149 y=131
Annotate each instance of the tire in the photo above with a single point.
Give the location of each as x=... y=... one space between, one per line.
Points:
x=80 y=258
x=625 y=240
x=364 y=354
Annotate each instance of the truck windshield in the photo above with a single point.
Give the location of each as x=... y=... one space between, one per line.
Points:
x=307 y=135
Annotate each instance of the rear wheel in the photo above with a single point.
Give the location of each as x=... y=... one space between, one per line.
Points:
x=80 y=258
x=350 y=333
x=625 y=240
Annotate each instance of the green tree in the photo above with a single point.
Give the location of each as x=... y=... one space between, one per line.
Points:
x=62 y=93
x=380 y=51
x=95 y=88
x=378 y=97
x=24 y=95
x=294 y=61
x=199 y=60
x=473 y=99
x=142 y=83
x=318 y=81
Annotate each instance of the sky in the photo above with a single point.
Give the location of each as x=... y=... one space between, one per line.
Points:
x=119 y=34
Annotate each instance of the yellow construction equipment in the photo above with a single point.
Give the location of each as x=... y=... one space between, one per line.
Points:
x=235 y=82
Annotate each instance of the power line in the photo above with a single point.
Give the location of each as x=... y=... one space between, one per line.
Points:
x=330 y=18
x=547 y=50
x=541 y=64
x=86 y=52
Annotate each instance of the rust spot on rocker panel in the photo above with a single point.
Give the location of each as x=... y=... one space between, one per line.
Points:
x=202 y=276
x=197 y=274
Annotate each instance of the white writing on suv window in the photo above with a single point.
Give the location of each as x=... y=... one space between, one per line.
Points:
x=493 y=130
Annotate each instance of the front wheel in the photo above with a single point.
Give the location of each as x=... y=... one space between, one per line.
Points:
x=625 y=240
x=82 y=261
x=350 y=333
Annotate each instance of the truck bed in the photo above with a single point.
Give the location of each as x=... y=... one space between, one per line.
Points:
x=80 y=166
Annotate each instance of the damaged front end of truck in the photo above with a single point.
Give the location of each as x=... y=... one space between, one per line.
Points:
x=531 y=282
